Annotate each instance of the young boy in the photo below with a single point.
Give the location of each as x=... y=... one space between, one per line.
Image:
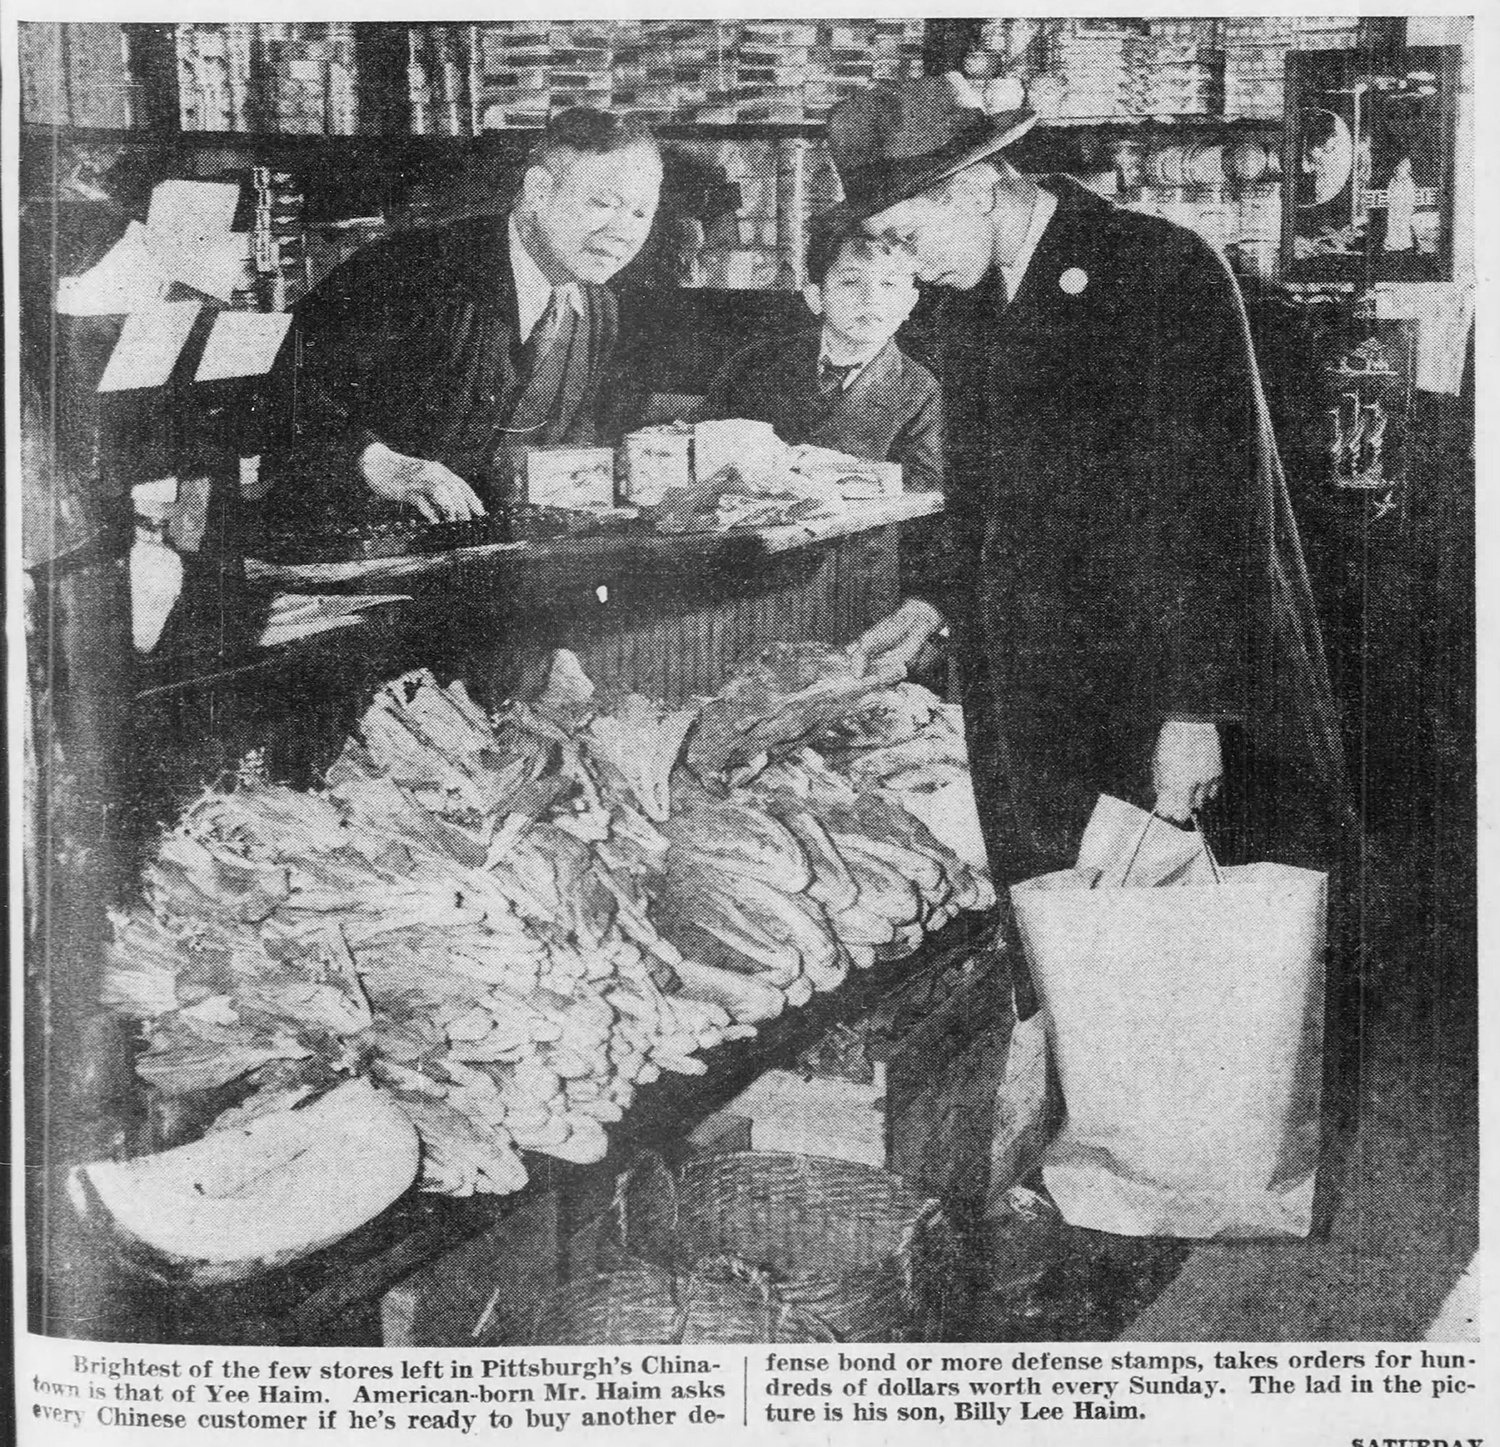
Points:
x=846 y=386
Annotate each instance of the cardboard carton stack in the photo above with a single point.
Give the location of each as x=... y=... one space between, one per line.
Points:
x=1255 y=57
x=515 y=65
x=1100 y=60
x=694 y=71
x=1180 y=69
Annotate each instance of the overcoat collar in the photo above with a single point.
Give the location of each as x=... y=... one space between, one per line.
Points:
x=1059 y=263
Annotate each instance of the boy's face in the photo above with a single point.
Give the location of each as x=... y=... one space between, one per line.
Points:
x=868 y=292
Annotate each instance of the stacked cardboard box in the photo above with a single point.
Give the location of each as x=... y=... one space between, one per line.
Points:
x=1187 y=81
x=515 y=66
x=772 y=66
x=582 y=64
x=1255 y=57
x=1180 y=69
x=706 y=72
x=668 y=70
x=1100 y=59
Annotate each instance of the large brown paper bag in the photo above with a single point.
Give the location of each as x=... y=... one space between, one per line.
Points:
x=1186 y=1024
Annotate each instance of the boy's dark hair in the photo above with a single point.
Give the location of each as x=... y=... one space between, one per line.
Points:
x=586 y=131
x=830 y=233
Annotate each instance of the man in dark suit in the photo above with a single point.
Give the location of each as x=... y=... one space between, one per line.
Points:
x=417 y=373
x=845 y=385
x=1120 y=565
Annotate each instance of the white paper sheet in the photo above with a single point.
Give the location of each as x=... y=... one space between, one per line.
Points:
x=125 y=279
x=150 y=343
x=242 y=344
x=192 y=213
x=218 y=268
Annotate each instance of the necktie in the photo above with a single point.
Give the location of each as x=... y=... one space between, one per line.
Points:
x=832 y=376
x=544 y=333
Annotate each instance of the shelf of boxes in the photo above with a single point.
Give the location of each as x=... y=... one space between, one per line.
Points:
x=1255 y=52
x=750 y=96
x=690 y=71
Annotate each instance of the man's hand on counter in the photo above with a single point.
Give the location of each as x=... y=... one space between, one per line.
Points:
x=901 y=637
x=436 y=492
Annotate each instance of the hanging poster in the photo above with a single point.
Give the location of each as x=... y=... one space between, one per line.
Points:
x=1368 y=156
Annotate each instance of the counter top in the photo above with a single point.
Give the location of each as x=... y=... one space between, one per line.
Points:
x=607 y=547
x=529 y=572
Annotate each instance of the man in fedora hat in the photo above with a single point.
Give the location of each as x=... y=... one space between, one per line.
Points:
x=1119 y=566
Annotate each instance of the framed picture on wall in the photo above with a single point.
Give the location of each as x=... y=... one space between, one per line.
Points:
x=1368 y=157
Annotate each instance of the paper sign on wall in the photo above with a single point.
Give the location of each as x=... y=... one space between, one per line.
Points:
x=150 y=343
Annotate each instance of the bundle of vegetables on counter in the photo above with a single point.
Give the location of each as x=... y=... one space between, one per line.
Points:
x=507 y=924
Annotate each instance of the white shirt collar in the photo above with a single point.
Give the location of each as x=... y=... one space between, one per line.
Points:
x=858 y=363
x=1041 y=214
x=533 y=290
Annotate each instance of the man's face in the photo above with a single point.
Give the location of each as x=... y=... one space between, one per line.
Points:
x=948 y=233
x=866 y=295
x=591 y=214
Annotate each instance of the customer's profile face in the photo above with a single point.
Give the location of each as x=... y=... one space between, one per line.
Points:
x=591 y=214
x=948 y=235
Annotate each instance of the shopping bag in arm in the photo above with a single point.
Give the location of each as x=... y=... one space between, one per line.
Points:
x=1186 y=1023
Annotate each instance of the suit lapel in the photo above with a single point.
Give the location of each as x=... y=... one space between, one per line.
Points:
x=1060 y=261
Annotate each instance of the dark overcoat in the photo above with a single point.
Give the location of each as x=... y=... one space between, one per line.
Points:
x=1119 y=547
x=414 y=342
x=891 y=412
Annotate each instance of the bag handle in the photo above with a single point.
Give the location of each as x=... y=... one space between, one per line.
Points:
x=1208 y=851
x=1140 y=841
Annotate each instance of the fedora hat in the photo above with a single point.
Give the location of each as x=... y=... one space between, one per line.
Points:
x=892 y=142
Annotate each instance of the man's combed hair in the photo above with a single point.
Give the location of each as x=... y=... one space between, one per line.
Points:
x=830 y=233
x=585 y=131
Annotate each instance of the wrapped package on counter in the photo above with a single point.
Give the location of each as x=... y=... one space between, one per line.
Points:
x=570 y=477
x=656 y=460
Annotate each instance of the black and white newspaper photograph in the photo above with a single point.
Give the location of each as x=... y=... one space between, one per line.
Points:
x=741 y=728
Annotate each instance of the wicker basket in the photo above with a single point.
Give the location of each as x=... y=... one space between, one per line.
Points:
x=848 y=1244
x=645 y=1305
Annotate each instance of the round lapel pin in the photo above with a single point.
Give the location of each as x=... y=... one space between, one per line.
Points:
x=1073 y=280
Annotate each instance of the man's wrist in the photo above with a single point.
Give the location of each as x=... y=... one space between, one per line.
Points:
x=930 y=617
x=377 y=464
